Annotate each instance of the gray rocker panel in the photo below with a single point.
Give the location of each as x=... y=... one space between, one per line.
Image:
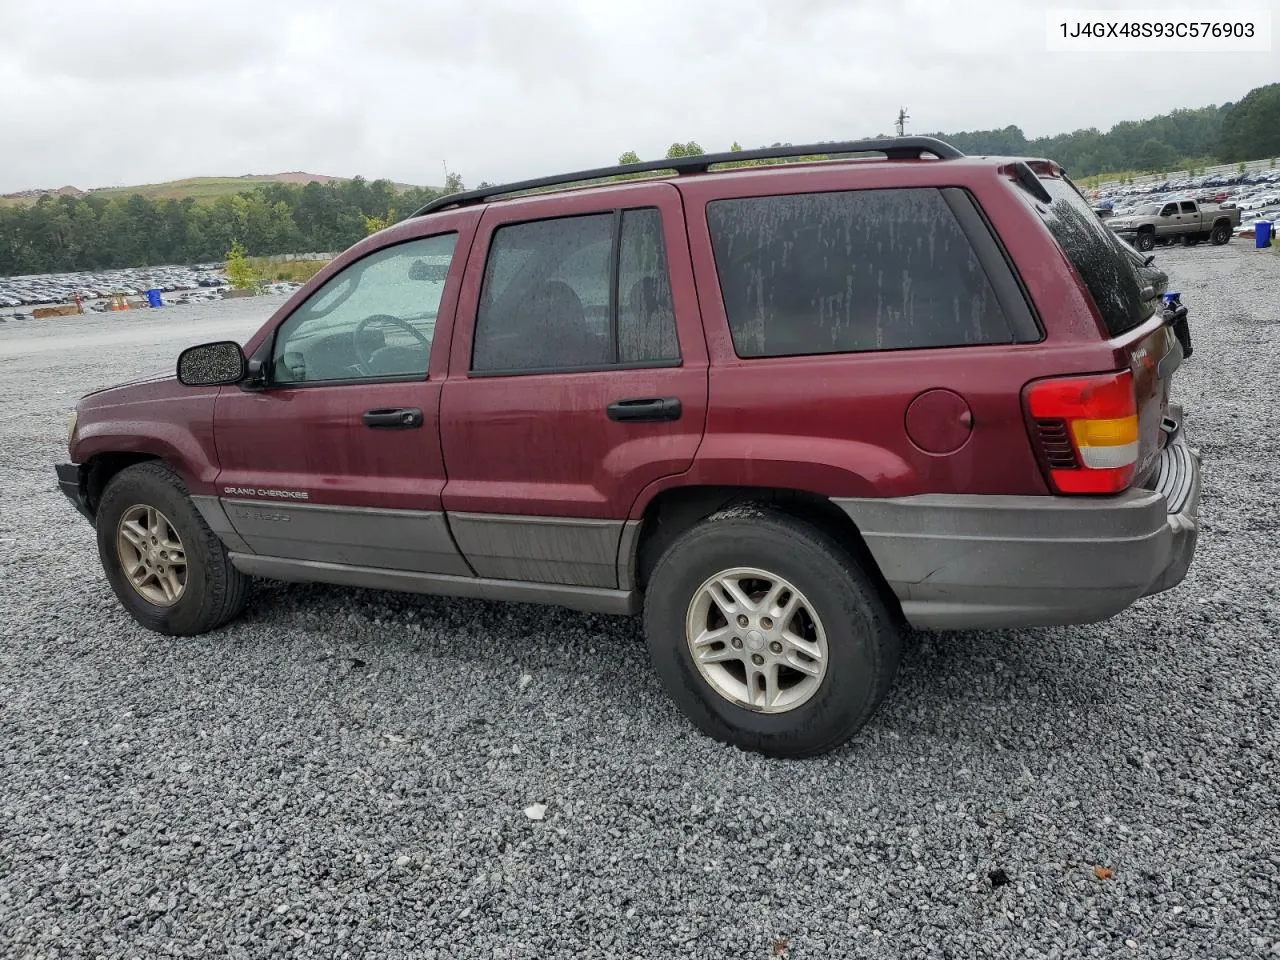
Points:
x=589 y=599
x=579 y=552
x=411 y=540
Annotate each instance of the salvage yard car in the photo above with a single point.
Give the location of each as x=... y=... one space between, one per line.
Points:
x=1176 y=220
x=787 y=411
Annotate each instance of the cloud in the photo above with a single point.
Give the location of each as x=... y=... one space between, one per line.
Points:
x=98 y=94
x=113 y=43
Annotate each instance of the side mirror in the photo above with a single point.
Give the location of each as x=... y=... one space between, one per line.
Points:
x=212 y=364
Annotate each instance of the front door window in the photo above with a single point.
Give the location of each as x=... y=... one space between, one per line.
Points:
x=374 y=320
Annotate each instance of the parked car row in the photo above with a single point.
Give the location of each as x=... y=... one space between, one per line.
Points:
x=205 y=286
x=1191 y=185
x=1255 y=201
x=1246 y=200
x=99 y=284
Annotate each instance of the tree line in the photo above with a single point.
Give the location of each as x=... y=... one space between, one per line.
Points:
x=1231 y=133
x=62 y=233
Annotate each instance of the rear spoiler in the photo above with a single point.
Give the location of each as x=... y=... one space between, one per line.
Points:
x=1027 y=174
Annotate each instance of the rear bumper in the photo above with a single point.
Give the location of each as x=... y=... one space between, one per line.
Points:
x=973 y=562
x=70 y=482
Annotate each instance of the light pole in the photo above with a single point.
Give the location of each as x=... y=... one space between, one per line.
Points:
x=903 y=117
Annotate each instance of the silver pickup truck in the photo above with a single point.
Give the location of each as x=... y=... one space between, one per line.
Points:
x=1169 y=221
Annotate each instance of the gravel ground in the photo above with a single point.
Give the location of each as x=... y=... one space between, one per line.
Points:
x=344 y=773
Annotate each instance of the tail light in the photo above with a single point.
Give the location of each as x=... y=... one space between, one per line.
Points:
x=1086 y=431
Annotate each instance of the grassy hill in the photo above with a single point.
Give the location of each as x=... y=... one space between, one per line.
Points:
x=200 y=188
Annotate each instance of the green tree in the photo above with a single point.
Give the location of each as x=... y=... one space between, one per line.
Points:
x=239 y=271
x=1251 y=128
x=690 y=149
x=629 y=157
x=453 y=183
x=1154 y=156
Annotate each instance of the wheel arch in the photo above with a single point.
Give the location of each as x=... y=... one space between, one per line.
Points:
x=101 y=468
x=675 y=510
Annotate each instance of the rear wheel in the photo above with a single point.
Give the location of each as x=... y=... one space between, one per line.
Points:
x=768 y=635
x=167 y=568
x=1221 y=234
x=1145 y=241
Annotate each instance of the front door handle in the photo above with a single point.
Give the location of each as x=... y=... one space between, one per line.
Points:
x=646 y=409
x=399 y=418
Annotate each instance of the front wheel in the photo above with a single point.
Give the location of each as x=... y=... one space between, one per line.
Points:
x=1145 y=241
x=768 y=634
x=167 y=568
x=1221 y=234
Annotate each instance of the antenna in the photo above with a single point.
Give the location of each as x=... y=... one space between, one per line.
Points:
x=903 y=117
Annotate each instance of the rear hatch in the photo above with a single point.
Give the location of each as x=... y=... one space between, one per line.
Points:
x=1127 y=295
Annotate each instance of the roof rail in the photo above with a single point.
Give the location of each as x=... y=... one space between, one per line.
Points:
x=893 y=148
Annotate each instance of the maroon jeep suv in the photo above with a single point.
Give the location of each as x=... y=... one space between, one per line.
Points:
x=787 y=410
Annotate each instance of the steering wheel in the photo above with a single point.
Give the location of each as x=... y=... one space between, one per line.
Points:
x=386 y=318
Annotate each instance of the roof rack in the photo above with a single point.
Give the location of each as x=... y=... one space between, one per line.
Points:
x=893 y=148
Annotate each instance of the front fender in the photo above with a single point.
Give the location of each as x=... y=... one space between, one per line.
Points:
x=175 y=425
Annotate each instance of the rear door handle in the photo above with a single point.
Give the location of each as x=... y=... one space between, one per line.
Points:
x=648 y=408
x=398 y=418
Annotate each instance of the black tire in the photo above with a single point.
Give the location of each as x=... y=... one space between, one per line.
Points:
x=864 y=640
x=1220 y=235
x=1144 y=241
x=215 y=591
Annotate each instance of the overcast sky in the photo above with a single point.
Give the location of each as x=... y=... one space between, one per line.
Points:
x=97 y=93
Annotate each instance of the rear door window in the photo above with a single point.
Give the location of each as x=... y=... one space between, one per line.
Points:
x=582 y=292
x=646 y=312
x=1096 y=253
x=542 y=305
x=850 y=271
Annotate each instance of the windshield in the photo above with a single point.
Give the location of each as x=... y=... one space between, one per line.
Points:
x=1147 y=210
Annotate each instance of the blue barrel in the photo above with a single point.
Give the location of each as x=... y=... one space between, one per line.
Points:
x=154 y=298
x=1262 y=234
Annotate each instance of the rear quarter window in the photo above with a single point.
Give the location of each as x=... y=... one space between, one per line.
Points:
x=850 y=271
x=1105 y=268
